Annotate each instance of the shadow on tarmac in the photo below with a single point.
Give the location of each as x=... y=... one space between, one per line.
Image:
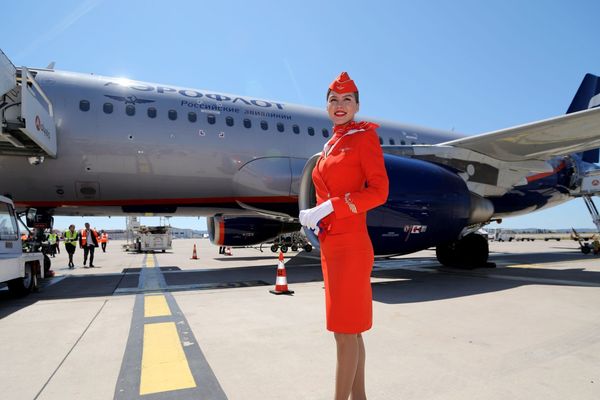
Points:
x=405 y=286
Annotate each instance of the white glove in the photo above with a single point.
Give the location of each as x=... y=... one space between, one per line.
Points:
x=312 y=216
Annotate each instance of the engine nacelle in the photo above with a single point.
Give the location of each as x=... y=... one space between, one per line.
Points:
x=245 y=231
x=427 y=205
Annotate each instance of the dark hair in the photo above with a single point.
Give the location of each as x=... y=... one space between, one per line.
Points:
x=355 y=95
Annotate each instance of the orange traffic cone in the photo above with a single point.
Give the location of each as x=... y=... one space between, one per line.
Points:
x=194 y=255
x=281 y=286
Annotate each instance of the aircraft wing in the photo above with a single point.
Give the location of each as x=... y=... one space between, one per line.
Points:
x=495 y=162
x=570 y=133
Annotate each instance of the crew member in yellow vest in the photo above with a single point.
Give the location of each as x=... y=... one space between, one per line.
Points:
x=71 y=237
x=88 y=241
x=52 y=237
x=103 y=240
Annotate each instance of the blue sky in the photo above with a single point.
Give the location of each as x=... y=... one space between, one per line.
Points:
x=471 y=66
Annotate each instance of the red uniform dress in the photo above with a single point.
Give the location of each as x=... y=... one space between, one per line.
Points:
x=352 y=174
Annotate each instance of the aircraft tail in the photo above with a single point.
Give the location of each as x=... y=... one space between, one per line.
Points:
x=587 y=96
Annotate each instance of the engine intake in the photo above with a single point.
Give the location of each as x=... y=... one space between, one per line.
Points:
x=427 y=204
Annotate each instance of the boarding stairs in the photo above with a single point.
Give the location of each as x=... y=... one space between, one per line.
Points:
x=590 y=187
x=27 y=126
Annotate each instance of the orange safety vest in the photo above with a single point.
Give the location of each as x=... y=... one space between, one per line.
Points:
x=104 y=238
x=83 y=234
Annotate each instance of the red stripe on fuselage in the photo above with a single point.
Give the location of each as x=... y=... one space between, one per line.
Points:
x=136 y=202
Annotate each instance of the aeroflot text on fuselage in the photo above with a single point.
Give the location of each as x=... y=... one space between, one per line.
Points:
x=194 y=94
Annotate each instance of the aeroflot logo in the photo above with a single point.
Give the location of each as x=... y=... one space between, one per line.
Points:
x=129 y=99
x=39 y=126
x=194 y=94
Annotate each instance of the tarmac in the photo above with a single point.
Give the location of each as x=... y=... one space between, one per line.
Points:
x=165 y=326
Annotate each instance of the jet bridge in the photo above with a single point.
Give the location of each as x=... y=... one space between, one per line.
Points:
x=27 y=119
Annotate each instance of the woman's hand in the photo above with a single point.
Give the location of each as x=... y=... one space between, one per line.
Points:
x=311 y=217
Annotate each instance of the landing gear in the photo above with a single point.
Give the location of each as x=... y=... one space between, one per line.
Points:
x=290 y=241
x=467 y=253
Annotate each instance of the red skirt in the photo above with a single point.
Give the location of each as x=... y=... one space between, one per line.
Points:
x=347 y=262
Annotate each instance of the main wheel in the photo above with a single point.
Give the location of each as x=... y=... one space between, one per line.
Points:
x=284 y=248
x=294 y=247
x=274 y=248
x=307 y=248
x=474 y=251
x=447 y=254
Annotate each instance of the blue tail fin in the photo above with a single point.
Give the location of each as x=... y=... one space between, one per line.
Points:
x=587 y=96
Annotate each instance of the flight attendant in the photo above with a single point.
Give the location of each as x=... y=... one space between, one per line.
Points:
x=350 y=179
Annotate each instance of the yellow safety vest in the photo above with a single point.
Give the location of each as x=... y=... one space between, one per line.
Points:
x=71 y=237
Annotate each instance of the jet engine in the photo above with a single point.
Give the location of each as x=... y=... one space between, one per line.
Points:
x=246 y=231
x=427 y=205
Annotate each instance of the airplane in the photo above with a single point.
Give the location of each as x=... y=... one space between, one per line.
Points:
x=84 y=144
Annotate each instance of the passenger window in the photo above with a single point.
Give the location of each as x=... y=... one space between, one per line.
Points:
x=413 y=143
x=311 y=131
x=402 y=142
x=211 y=119
x=151 y=112
x=192 y=116
x=392 y=142
x=229 y=121
x=130 y=110
x=264 y=125
x=325 y=132
x=84 y=105
x=107 y=108
x=380 y=140
x=296 y=129
x=247 y=123
x=280 y=127
x=172 y=115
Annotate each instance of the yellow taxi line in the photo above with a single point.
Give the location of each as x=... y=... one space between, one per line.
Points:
x=150 y=261
x=156 y=306
x=164 y=364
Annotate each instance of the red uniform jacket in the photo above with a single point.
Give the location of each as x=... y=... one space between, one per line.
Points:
x=352 y=174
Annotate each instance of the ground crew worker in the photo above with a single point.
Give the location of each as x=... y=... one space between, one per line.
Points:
x=71 y=238
x=88 y=241
x=350 y=179
x=595 y=245
x=103 y=240
x=52 y=236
